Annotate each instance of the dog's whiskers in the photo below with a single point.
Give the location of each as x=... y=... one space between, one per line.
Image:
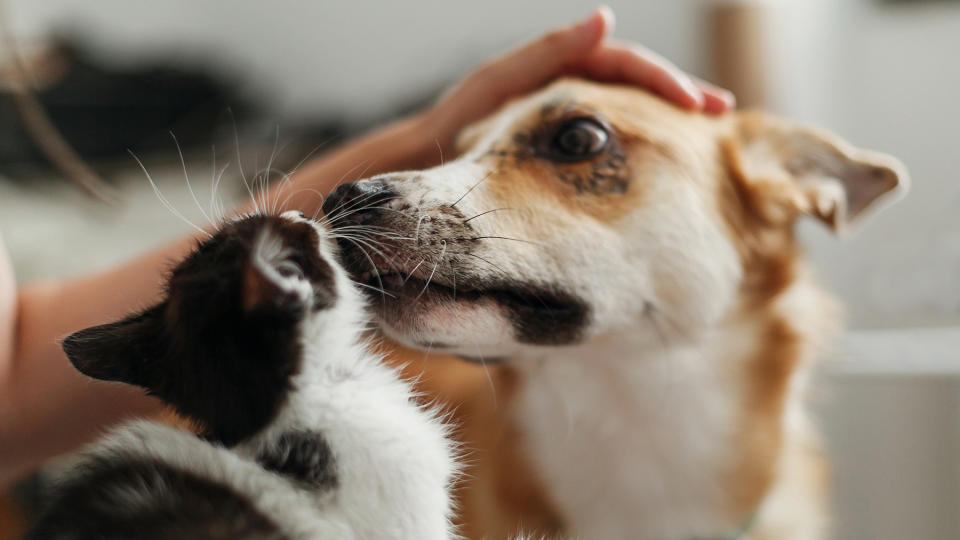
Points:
x=507 y=238
x=410 y=273
x=427 y=284
x=369 y=242
x=372 y=266
x=416 y=232
x=475 y=256
x=372 y=244
x=386 y=235
x=454 y=204
x=350 y=207
x=434 y=271
x=453 y=276
x=371 y=287
x=485 y=213
x=345 y=210
x=486 y=371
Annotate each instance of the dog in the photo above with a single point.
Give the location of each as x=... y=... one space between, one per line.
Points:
x=627 y=276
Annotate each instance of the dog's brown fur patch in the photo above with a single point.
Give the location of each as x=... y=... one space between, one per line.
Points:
x=644 y=140
x=784 y=325
x=652 y=137
x=772 y=260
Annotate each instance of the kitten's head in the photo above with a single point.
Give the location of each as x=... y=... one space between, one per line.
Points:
x=225 y=344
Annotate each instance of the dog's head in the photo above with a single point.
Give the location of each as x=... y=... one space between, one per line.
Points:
x=587 y=210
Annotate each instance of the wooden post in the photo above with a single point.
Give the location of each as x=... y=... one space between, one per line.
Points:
x=737 y=50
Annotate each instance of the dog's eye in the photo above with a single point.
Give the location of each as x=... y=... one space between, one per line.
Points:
x=580 y=138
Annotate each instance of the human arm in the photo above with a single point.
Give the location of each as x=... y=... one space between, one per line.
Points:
x=47 y=408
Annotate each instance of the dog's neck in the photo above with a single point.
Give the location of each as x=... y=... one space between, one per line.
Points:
x=630 y=435
x=620 y=431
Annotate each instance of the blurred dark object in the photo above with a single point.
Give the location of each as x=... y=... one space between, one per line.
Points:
x=103 y=112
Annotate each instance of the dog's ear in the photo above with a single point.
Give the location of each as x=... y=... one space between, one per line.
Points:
x=784 y=170
x=122 y=351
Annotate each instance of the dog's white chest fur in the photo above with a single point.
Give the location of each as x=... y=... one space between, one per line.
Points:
x=630 y=441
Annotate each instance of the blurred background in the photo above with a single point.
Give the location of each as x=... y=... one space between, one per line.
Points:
x=240 y=82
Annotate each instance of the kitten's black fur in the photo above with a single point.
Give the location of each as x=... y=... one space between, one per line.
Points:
x=221 y=348
x=205 y=348
x=172 y=504
x=303 y=456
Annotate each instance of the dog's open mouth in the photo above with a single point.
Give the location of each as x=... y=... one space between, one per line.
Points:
x=405 y=287
x=410 y=290
x=539 y=313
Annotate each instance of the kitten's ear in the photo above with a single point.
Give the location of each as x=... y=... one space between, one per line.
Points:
x=270 y=279
x=118 y=351
x=785 y=170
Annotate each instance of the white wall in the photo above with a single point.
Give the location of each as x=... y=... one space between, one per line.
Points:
x=887 y=78
x=893 y=444
x=355 y=56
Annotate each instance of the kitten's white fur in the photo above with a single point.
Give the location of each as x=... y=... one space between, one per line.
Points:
x=394 y=464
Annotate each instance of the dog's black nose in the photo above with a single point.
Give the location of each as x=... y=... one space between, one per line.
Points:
x=357 y=198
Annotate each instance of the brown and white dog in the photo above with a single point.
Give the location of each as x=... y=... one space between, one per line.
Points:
x=628 y=272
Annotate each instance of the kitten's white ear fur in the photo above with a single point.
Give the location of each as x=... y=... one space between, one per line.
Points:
x=270 y=277
x=786 y=170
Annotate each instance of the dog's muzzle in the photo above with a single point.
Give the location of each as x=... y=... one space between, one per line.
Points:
x=353 y=202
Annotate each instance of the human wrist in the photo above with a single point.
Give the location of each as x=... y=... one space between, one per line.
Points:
x=406 y=143
x=424 y=138
x=8 y=306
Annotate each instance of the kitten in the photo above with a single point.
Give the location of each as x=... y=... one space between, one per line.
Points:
x=304 y=432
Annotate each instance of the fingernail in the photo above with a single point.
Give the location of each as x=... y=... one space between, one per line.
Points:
x=602 y=15
x=606 y=12
x=728 y=97
x=691 y=89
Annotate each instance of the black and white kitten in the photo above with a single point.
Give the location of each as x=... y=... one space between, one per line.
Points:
x=305 y=433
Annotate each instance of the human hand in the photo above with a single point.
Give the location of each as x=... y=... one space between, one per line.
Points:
x=8 y=311
x=8 y=284
x=583 y=49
